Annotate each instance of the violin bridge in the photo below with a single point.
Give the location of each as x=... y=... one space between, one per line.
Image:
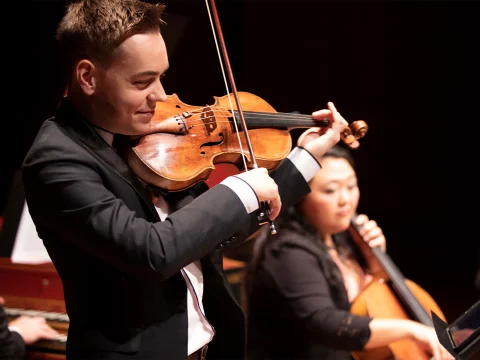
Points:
x=209 y=120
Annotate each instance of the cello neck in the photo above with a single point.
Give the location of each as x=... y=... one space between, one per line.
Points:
x=259 y=120
x=394 y=276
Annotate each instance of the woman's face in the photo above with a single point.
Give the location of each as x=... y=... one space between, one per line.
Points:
x=334 y=197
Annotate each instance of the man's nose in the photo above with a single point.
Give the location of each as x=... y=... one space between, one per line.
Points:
x=158 y=94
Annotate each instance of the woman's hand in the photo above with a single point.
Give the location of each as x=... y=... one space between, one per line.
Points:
x=426 y=337
x=385 y=331
x=371 y=232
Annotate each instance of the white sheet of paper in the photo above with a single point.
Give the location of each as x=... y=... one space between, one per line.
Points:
x=28 y=247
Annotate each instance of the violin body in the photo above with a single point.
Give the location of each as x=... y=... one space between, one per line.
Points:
x=187 y=141
x=190 y=140
x=379 y=300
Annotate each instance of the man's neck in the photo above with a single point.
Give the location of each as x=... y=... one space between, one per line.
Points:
x=78 y=100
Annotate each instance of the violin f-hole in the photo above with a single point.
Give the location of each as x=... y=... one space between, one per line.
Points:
x=214 y=143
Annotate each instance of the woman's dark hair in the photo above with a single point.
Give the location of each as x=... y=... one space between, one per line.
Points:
x=340 y=151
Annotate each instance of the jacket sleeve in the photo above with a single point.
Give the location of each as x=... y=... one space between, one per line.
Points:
x=300 y=281
x=69 y=201
x=291 y=183
x=292 y=187
x=12 y=346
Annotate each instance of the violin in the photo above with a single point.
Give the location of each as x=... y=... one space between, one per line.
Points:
x=391 y=295
x=189 y=140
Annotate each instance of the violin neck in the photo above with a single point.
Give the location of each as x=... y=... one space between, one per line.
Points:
x=260 y=120
x=396 y=279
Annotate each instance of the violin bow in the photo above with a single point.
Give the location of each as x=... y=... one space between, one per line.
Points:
x=222 y=51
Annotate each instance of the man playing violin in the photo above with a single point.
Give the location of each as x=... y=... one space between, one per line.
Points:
x=142 y=280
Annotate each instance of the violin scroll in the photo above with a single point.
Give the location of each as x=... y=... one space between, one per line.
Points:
x=357 y=130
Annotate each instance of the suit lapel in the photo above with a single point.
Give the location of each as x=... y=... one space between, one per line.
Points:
x=83 y=133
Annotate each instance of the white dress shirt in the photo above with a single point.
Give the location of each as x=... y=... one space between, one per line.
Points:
x=200 y=332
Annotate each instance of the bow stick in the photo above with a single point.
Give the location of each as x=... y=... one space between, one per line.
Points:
x=264 y=208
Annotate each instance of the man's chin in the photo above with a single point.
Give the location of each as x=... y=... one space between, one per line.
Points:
x=138 y=129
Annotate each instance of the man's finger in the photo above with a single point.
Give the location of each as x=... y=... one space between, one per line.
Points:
x=332 y=107
x=320 y=114
x=275 y=206
x=354 y=145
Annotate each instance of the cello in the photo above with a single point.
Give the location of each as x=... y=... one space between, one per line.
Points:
x=391 y=295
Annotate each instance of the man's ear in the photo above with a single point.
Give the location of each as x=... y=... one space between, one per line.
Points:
x=85 y=73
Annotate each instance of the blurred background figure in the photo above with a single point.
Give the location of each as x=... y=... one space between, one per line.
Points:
x=22 y=331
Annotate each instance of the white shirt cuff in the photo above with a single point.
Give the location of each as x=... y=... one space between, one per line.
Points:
x=15 y=328
x=304 y=162
x=243 y=191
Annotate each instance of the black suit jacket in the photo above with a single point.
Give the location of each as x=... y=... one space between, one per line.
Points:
x=119 y=263
x=12 y=346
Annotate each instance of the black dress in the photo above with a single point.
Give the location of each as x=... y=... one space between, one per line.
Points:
x=298 y=305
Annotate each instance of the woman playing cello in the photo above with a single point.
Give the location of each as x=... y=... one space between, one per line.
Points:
x=303 y=280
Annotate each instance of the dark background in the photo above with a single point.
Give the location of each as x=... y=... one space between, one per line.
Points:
x=409 y=69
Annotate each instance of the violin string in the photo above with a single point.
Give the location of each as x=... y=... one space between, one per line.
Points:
x=252 y=116
x=255 y=115
x=226 y=83
x=264 y=123
x=251 y=113
x=222 y=122
x=191 y=126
